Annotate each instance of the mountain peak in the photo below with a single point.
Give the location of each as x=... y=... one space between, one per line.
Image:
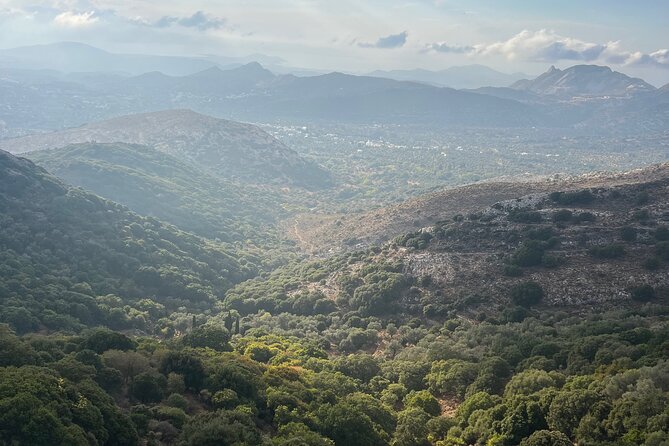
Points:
x=583 y=80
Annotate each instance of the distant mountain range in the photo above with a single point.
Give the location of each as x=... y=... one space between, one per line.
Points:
x=74 y=57
x=468 y=76
x=586 y=97
x=224 y=148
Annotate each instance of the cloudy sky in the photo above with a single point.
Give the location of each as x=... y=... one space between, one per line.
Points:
x=363 y=35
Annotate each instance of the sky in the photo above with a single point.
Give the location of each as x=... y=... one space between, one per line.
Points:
x=359 y=36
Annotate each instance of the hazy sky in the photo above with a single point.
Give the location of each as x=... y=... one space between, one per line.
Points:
x=363 y=35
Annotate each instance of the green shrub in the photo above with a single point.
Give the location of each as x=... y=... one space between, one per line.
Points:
x=643 y=293
x=527 y=294
x=662 y=234
x=662 y=250
x=562 y=215
x=628 y=234
x=567 y=198
x=652 y=263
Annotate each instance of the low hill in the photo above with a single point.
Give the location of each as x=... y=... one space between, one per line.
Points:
x=154 y=183
x=231 y=150
x=72 y=259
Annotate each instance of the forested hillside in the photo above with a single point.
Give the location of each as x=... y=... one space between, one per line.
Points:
x=154 y=183
x=71 y=259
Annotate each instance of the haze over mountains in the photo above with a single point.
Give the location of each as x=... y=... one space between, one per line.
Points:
x=47 y=101
x=231 y=149
x=467 y=76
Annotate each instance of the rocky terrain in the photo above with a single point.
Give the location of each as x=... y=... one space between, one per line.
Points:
x=593 y=241
x=324 y=234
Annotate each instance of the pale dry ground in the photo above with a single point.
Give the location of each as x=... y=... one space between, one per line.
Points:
x=327 y=234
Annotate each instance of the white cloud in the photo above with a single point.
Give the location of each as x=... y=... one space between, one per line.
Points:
x=69 y=19
x=548 y=46
x=544 y=46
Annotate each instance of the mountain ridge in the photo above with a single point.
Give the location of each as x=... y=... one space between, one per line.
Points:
x=222 y=147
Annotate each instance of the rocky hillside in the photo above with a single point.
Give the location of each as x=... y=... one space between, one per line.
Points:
x=327 y=234
x=229 y=149
x=605 y=244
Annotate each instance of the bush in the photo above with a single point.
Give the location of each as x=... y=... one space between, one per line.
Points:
x=566 y=198
x=546 y=438
x=562 y=215
x=607 y=251
x=628 y=234
x=527 y=294
x=662 y=234
x=662 y=250
x=643 y=293
x=652 y=263
x=551 y=261
x=529 y=253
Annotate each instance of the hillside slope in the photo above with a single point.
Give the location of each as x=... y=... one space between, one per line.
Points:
x=327 y=234
x=601 y=246
x=228 y=149
x=156 y=184
x=72 y=259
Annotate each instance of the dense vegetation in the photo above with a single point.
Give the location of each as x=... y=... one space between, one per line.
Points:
x=550 y=379
x=70 y=259
x=123 y=330
x=154 y=183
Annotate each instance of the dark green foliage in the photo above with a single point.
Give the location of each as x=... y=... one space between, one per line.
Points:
x=417 y=240
x=612 y=251
x=546 y=438
x=523 y=216
x=573 y=198
x=148 y=388
x=562 y=215
x=527 y=294
x=652 y=263
x=529 y=253
x=628 y=234
x=208 y=336
x=64 y=252
x=583 y=217
x=101 y=340
x=643 y=293
x=221 y=428
x=662 y=250
x=173 y=191
x=662 y=233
